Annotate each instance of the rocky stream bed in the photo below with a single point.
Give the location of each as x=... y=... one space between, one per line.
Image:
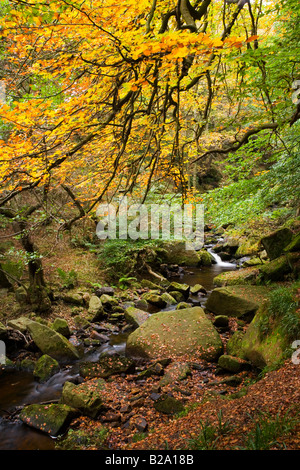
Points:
x=108 y=374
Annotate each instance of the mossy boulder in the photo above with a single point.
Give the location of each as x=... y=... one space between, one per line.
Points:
x=86 y=397
x=255 y=261
x=45 y=367
x=236 y=301
x=108 y=301
x=178 y=296
x=149 y=284
x=294 y=245
x=197 y=289
x=27 y=364
x=206 y=259
x=275 y=242
x=95 y=310
x=182 y=305
x=73 y=298
x=184 y=289
x=175 y=252
x=155 y=299
x=60 y=325
x=81 y=322
x=135 y=316
x=52 y=343
x=234 y=345
x=176 y=332
x=243 y=276
x=52 y=419
x=168 y=298
x=248 y=247
x=232 y=363
x=232 y=243
x=278 y=268
x=263 y=349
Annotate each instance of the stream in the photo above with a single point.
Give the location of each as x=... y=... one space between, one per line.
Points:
x=18 y=388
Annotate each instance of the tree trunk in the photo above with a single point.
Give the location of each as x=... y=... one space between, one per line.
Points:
x=37 y=292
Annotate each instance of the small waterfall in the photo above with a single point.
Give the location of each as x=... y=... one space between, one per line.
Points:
x=218 y=260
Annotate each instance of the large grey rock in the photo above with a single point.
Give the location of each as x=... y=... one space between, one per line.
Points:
x=236 y=301
x=175 y=333
x=52 y=343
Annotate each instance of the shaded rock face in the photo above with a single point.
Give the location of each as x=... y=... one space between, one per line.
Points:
x=275 y=242
x=260 y=349
x=266 y=350
x=176 y=333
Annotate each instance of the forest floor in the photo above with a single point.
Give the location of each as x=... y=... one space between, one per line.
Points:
x=266 y=418
x=276 y=398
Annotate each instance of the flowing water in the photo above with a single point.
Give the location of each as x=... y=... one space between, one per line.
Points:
x=18 y=388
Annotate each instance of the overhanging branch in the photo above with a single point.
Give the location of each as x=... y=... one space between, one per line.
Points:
x=237 y=144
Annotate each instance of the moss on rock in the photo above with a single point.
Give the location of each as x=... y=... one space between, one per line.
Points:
x=175 y=333
x=45 y=367
x=52 y=419
x=86 y=397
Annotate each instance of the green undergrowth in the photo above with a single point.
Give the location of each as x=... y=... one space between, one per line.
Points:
x=210 y=434
x=281 y=309
x=269 y=431
x=271 y=194
x=124 y=257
